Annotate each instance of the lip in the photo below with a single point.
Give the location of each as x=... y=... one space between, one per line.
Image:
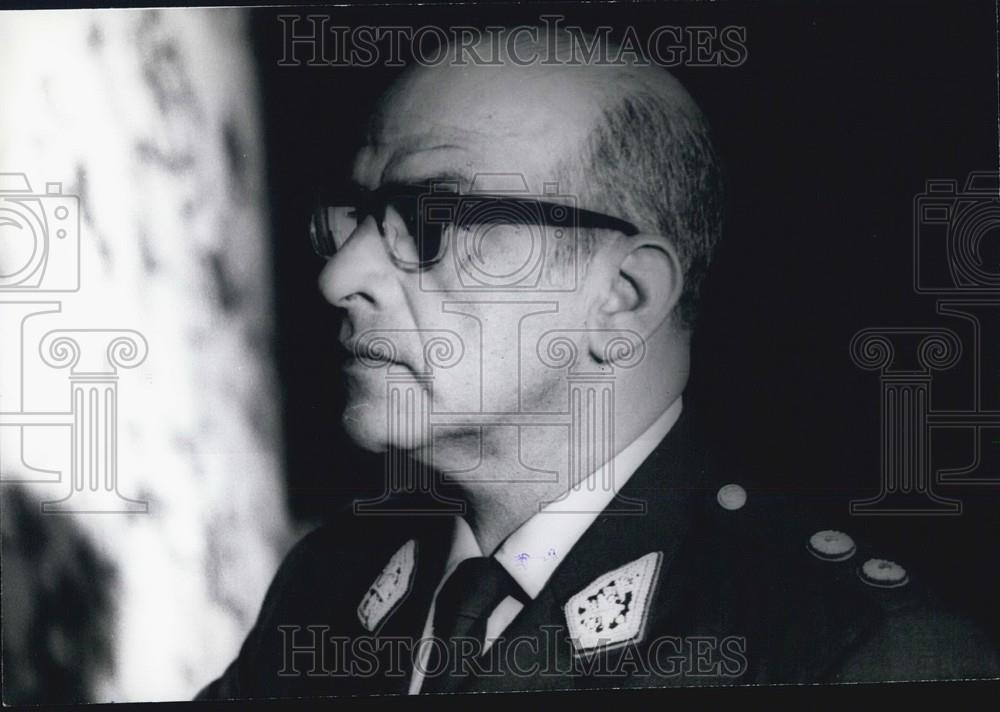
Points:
x=351 y=358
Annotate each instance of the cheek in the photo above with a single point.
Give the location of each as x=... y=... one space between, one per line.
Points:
x=457 y=389
x=543 y=389
x=507 y=248
x=503 y=352
x=499 y=256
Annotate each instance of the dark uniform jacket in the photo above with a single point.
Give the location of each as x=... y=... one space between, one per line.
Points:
x=737 y=596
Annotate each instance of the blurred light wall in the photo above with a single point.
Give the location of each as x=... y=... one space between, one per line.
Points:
x=152 y=119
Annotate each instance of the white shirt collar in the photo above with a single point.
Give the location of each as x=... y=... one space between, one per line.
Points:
x=534 y=550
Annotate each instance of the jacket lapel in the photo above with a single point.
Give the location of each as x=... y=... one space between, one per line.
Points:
x=394 y=640
x=668 y=483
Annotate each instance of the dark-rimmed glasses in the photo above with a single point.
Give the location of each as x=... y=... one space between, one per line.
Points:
x=415 y=219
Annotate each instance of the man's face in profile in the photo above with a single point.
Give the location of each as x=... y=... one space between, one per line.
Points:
x=497 y=289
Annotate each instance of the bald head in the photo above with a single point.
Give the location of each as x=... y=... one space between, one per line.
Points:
x=506 y=118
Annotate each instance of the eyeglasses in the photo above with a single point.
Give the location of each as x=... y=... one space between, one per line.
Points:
x=415 y=219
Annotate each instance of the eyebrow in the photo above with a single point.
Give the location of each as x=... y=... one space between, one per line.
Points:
x=391 y=175
x=419 y=178
x=459 y=177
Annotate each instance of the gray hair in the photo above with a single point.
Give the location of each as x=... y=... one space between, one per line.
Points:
x=654 y=163
x=649 y=159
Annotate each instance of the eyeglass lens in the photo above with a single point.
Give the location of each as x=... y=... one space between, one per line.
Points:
x=412 y=240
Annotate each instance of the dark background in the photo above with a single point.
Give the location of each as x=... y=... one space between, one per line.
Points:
x=829 y=131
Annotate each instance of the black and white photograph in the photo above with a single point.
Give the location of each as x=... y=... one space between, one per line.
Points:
x=486 y=352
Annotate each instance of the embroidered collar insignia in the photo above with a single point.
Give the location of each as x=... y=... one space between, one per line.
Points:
x=612 y=610
x=389 y=588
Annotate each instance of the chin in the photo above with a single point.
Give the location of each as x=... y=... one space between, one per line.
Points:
x=366 y=432
x=367 y=428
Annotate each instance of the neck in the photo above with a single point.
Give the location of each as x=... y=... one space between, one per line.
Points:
x=501 y=493
x=493 y=514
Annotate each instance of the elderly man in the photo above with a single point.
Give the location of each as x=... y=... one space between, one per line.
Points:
x=517 y=259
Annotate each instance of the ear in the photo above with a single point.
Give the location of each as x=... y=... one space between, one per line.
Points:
x=641 y=289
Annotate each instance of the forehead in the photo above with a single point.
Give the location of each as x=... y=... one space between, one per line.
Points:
x=459 y=122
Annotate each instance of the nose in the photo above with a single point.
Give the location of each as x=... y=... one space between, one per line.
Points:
x=357 y=269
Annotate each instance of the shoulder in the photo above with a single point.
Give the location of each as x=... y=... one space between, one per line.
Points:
x=914 y=635
x=341 y=556
x=317 y=588
x=910 y=633
x=821 y=604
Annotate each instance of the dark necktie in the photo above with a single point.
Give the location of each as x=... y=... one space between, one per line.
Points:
x=463 y=606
